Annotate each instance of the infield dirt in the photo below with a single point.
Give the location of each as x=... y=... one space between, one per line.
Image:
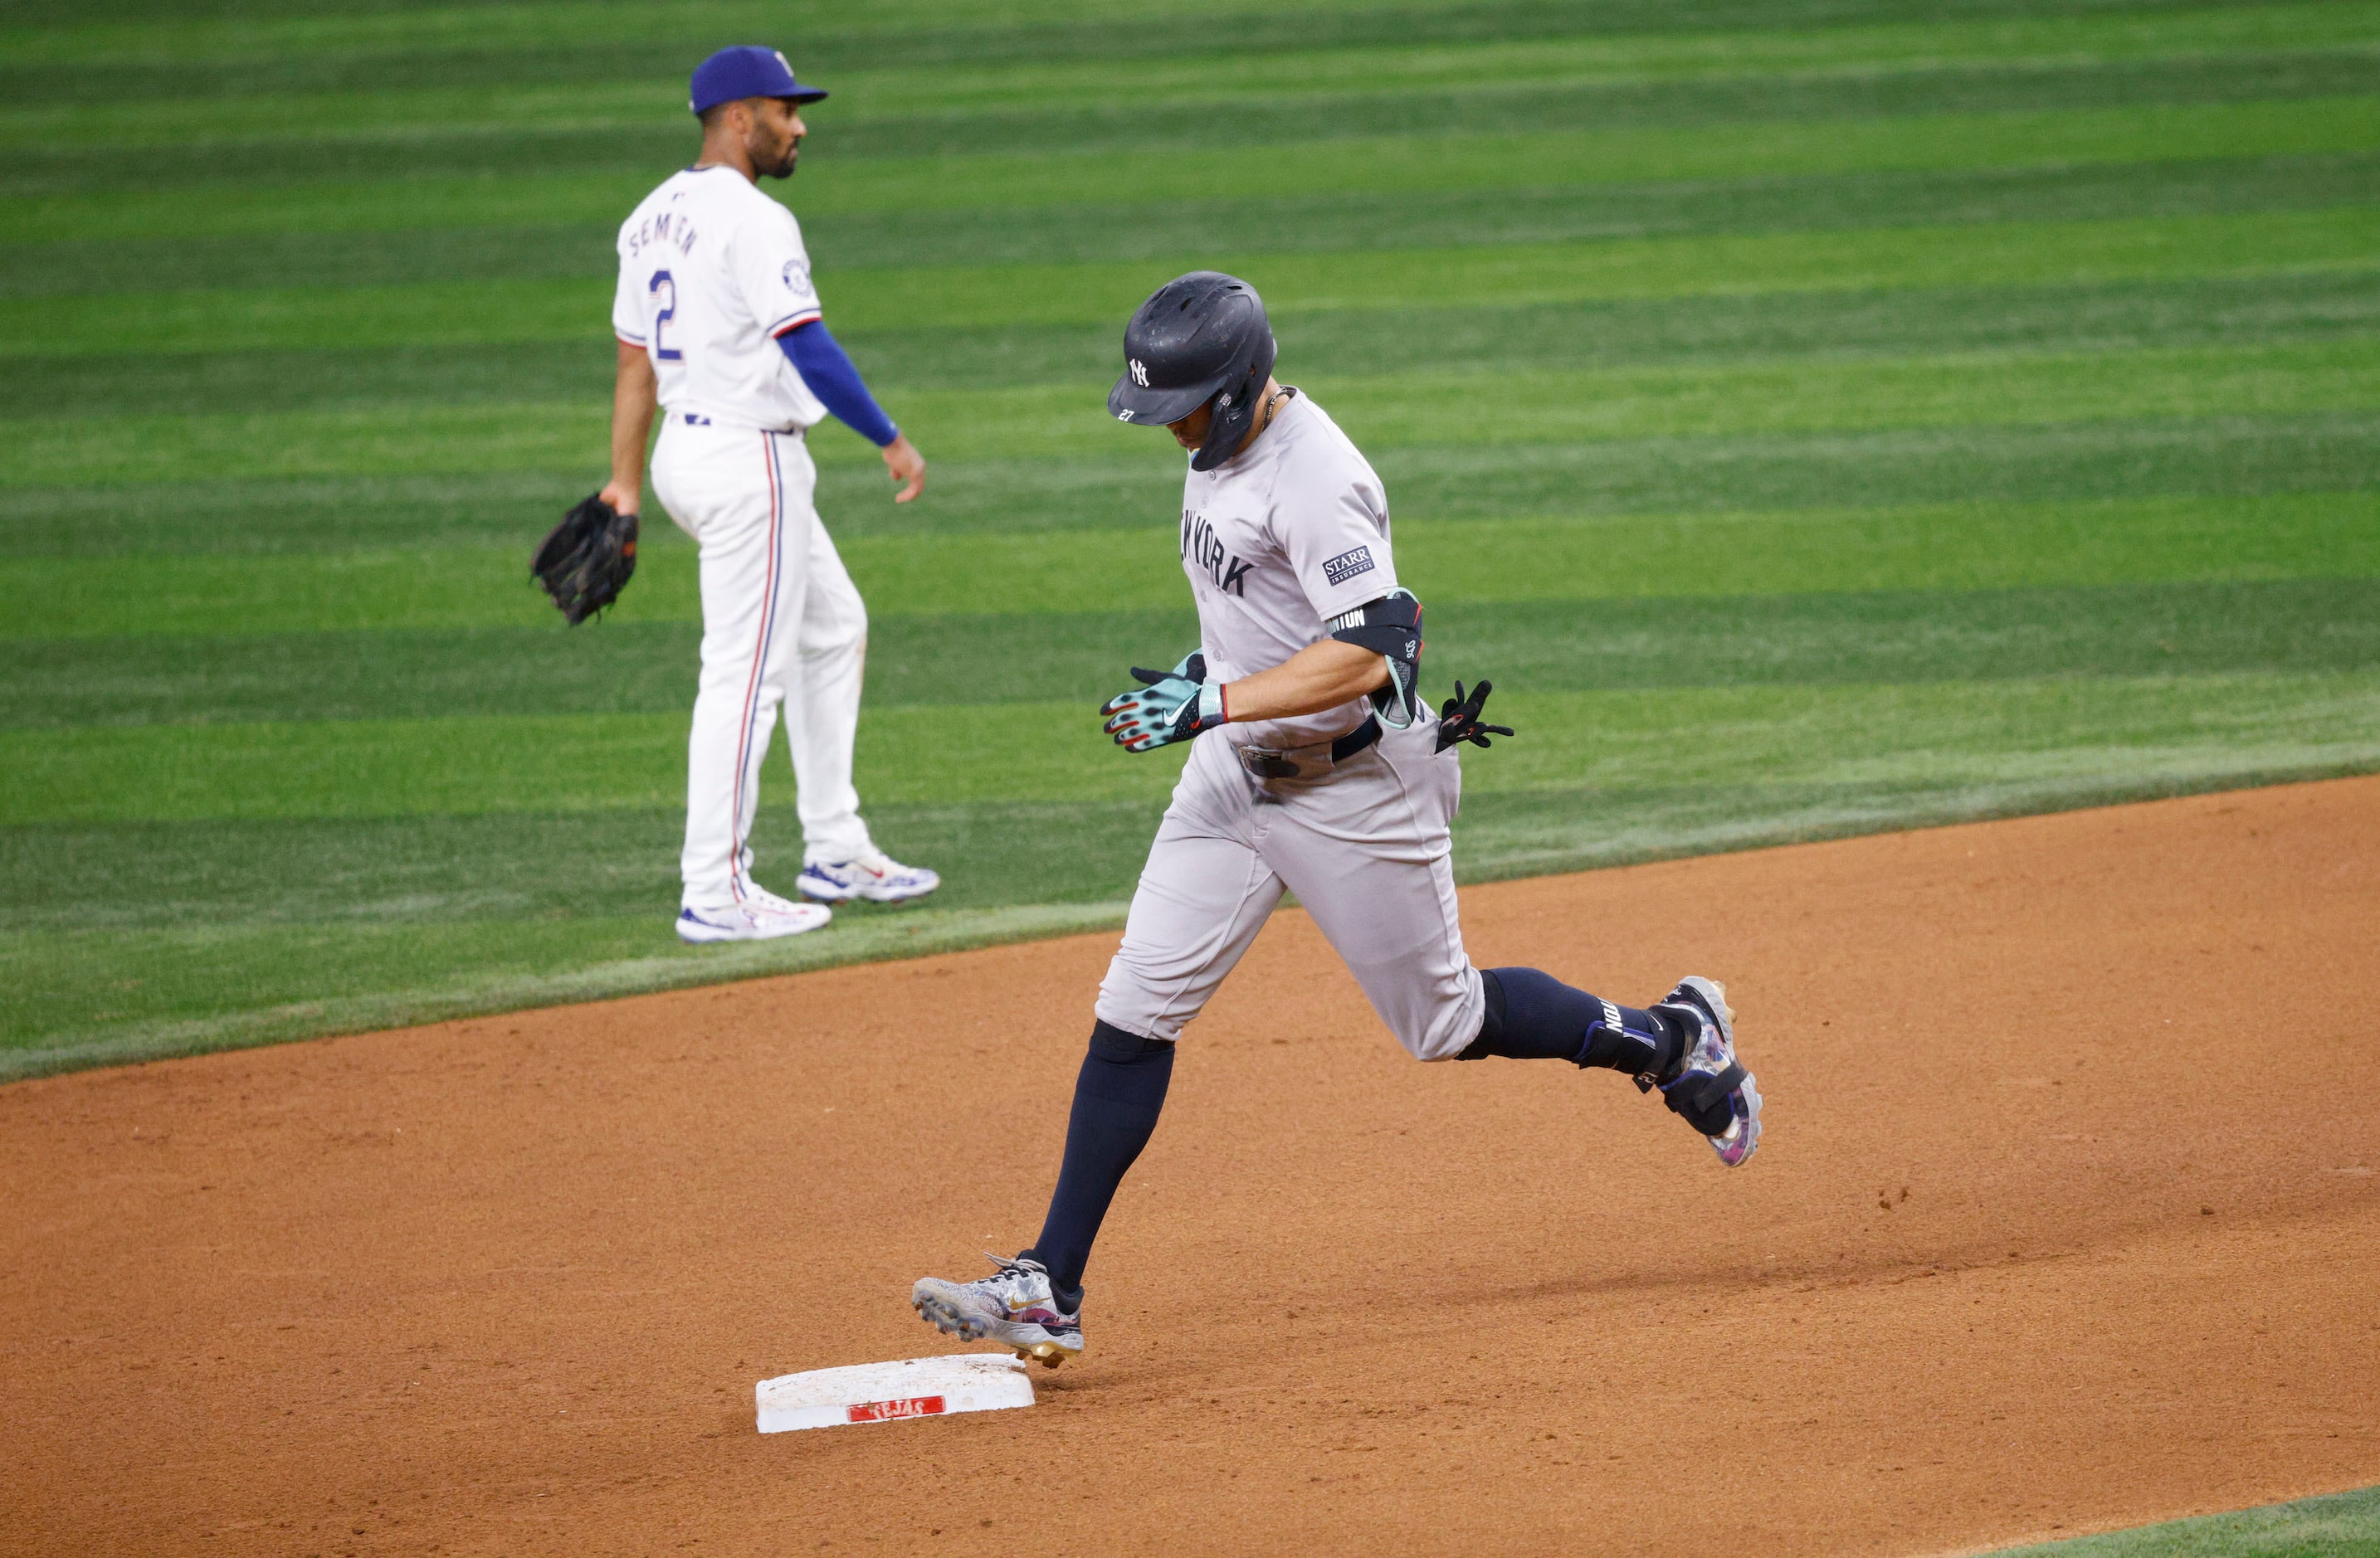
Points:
x=2068 y=1217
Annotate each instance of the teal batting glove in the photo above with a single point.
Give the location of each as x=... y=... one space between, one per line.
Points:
x=1174 y=706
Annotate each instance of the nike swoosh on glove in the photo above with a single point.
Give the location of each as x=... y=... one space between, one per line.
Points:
x=1174 y=706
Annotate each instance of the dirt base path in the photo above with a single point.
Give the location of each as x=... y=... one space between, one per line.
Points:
x=2067 y=1219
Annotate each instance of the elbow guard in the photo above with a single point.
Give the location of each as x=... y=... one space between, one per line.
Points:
x=1390 y=627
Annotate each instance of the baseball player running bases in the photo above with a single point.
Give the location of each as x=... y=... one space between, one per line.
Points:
x=719 y=328
x=1320 y=772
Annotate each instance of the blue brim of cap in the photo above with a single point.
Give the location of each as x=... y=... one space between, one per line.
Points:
x=801 y=94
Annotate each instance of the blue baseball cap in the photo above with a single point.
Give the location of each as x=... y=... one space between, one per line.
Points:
x=749 y=71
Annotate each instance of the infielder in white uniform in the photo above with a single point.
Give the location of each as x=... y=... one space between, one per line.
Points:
x=1321 y=773
x=719 y=325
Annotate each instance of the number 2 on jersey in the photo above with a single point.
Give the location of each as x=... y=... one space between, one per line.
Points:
x=661 y=286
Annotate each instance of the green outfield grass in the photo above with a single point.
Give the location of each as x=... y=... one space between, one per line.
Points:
x=1817 y=418
x=1051 y=576
x=1371 y=280
x=2338 y=1525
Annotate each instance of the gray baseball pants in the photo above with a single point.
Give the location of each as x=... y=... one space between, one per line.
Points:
x=1367 y=848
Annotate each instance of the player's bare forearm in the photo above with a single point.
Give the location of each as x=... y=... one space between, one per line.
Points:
x=635 y=397
x=1319 y=676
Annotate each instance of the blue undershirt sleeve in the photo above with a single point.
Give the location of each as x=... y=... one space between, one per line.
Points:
x=827 y=369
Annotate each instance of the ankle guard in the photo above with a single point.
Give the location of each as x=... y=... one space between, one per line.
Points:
x=1702 y=1100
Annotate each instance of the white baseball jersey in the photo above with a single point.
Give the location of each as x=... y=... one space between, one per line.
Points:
x=1277 y=541
x=712 y=271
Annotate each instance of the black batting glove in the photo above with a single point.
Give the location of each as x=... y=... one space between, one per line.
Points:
x=1459 y=720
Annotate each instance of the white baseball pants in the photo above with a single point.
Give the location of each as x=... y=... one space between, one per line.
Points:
x=782 y=623
x=1367 y=848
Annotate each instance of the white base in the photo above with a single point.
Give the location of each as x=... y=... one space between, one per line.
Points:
x=876 y=1393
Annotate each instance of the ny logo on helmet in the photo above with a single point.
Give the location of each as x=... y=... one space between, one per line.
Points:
x=1140 y=373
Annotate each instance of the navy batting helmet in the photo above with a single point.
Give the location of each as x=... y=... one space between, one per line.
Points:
x=1200 y=337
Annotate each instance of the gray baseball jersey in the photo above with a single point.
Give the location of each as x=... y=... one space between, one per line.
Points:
x=1291 y=533
x=1276 y=541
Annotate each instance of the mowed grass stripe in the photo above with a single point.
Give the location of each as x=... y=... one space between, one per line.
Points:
x=288 y=35
x=665 y=143
x=445 y=30
x=1785 y=395
x=493 y=868
x=1534 y=645
x=862 y=94
x=1930 y=734
x=1993 y=254
x=1824 y=50
x=1319 y=222
x=1027 y=130
x=129 y=59
x=1418 y=163
x=1430 y=162
x=454 y=767
x=1140 y=481
x=1962 y=546
x=2230 y=310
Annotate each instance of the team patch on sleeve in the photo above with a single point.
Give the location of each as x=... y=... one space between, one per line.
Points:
x=1347 y=565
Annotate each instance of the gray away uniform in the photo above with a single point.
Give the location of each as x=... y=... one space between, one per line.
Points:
x=1277 y=541
x=1283 y=543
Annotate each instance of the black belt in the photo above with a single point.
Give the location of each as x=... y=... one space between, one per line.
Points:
x=1356 y=740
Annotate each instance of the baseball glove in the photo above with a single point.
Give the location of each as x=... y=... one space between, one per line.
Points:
x=1459 y=720
x=587 y=559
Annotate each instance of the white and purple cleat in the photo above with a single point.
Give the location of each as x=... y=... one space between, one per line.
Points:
x=1015 y=1307
x=1710 y=1087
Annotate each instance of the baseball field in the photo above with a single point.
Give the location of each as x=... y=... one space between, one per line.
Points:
x=1821 y=418
x=1815 y=418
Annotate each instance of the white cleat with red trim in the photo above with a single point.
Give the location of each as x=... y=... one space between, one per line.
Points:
x=760 y=915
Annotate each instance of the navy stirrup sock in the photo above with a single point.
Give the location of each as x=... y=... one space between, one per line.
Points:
x=1534 y=1015
x=1117 y=1099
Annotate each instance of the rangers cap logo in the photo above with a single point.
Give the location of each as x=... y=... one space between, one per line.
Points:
x=1139 y=373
